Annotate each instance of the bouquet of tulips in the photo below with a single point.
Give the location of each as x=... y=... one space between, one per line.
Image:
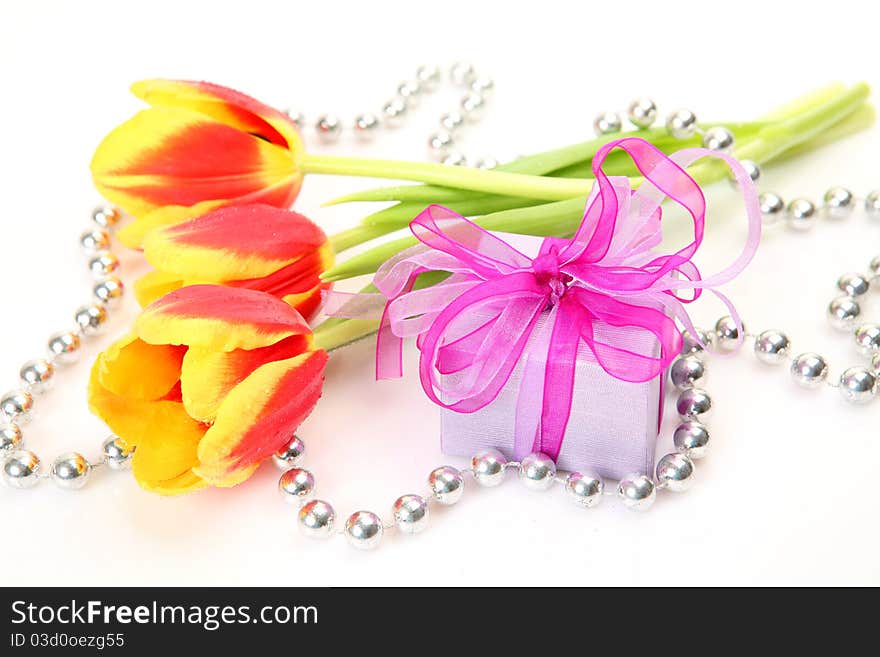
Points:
x=222 y=365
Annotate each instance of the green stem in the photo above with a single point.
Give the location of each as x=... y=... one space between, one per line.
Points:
x=335 y=334
x=540 y=164
x=356 y=235
x=493 y=182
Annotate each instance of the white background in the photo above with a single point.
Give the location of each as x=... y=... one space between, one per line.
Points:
x=788 y=494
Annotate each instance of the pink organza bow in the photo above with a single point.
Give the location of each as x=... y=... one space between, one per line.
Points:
x=474 y=327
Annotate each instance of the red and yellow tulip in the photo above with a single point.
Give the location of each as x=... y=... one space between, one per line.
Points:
x=198 y=147
x=211 y=381
x=257 y=247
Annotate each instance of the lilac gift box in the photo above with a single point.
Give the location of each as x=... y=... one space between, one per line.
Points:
x=613 y=425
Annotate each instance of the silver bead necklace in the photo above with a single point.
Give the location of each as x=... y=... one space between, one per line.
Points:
x=488 y=468
x=409 y=514
x=21 y=468
x=443 y=142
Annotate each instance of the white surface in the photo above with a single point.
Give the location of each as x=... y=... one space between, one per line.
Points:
x=789 y=492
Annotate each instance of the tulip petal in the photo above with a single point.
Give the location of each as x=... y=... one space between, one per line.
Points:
x=224 y=105
x=171 y=156
x=299 y=283
x=132 y=235
x=308 y=302
x=135 y=420
x=234 y=242
x=154 y=285
x=259 y=416
x=132 y=368
x=165 y=438
x=219 y=318
x=187 y=482
x=208 y=376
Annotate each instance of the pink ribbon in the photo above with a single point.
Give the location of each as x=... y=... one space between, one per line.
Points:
x=473 y=328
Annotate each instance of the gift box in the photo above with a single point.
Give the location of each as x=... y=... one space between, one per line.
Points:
x=551 y=345
x=612 y=426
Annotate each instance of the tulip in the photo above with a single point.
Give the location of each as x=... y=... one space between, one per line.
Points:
x=201 y=146
x=258 y=247
x=211 y=382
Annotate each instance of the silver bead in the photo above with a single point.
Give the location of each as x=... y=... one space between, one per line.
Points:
x=37 y=375
x=90 y=319
x=10 y=437
x=439 y=144
x=106 y=216
x=872 y=204
x=64 y=347
x=858 y=385
x=488 y=467
x=809 y=370
x=854 y=285
x=772 y=347
x=486 y=163
x=637 y=492
x=693 y=404
x=94 y=241
x=394 y=112
x=428 y=76
x=868 y=339
x=472 y=107
x=116 y=454
x=109 y=292
x=410 y=513
x=696 y=344
x=682 y=124
x=291 y=455
x=296 y=484
x=446 y=484
x=874 y=266
x=364 y=530
x=607 y=123
x=483 y=86
x=462 y=74
x=451 y=121
x=842 y=312
x=365 y=126
x=727 y=333
x=584 y=489
x=772 y=207
x=752 y=169
x=17 y=406
x=687 y=371
x=676 y=472
x=838 y=203
x=455 y=159
x=21 y=469
x=71 y=471
x=296 y=117
x=718 y=138
x=410 y=91
x=316 y=519
x=642 y=112
x=537 y=471
x=800 y=214
x=328 y=128
x=103 y=265
x=691 y=438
